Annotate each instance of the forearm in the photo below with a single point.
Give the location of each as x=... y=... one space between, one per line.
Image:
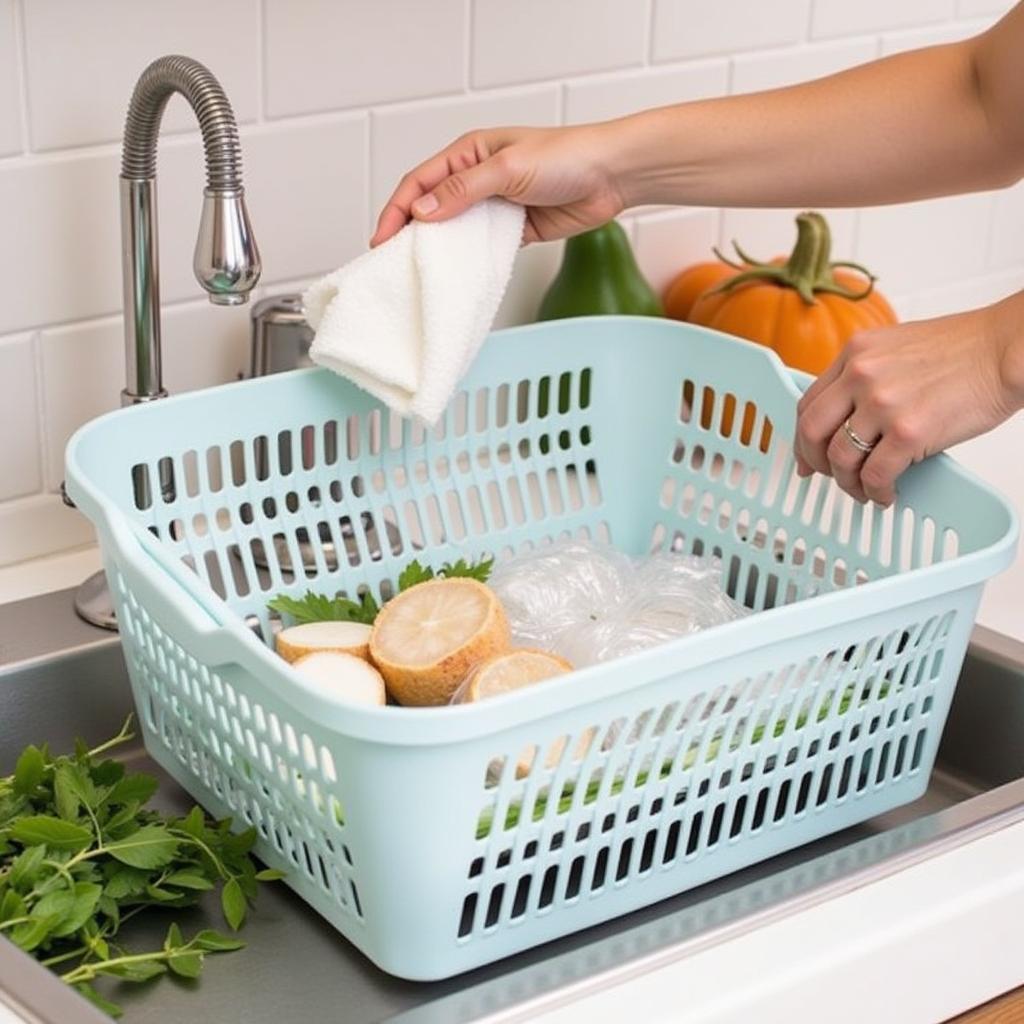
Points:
x=908 y=127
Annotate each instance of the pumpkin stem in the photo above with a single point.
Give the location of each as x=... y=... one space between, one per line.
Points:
x=747 y=258
x=808 y=269
x=808 y=262
x=725 y=259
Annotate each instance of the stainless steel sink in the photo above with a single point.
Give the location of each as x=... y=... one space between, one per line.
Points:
x=60 y=678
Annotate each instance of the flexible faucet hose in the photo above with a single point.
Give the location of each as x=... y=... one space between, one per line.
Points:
x=164 y=77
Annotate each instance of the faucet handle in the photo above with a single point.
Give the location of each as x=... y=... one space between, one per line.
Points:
x=226 y=260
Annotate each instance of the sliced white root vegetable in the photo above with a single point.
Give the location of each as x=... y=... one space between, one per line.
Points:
x=345 y=637
x=343 y=676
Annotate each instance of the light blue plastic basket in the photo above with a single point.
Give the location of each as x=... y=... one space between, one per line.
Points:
x=440 y=839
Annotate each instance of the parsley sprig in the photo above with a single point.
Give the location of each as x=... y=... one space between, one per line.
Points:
x=80 y=855
x=321 y=608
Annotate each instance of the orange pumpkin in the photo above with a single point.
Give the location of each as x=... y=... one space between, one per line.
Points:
x=805 y=307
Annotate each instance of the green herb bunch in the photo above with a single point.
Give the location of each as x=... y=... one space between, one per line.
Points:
x=80 y=855
x=321 y=608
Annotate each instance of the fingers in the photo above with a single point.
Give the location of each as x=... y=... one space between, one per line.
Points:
x=817 y=425
x=430 y=178
x=883 y=466
x=463 y=189
x=846 y=460
x=817 y=388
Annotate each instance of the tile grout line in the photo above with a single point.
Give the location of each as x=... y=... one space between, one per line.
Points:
x=467 y=40
x=368 y=171
x=21 y=56
x=990 y=232
x=261 y=62
x=42 y=425
x=649 y=29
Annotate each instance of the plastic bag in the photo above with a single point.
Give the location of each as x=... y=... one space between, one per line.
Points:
x=590 y=603
x=553 y=589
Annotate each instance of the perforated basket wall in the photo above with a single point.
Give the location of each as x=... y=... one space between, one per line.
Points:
x=440 y=839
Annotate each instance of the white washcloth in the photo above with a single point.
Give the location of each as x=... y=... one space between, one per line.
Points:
x=404 y=321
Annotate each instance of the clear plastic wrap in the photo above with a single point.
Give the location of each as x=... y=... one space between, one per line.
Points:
x=590 y=603
x=552 y=590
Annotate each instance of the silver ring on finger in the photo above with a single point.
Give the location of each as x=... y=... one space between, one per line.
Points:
x=856 y=440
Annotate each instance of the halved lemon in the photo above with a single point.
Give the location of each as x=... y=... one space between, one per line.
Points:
x=512 y=670
x=427 y=639
x=345 y=637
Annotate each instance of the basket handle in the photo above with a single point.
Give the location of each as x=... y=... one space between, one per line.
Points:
x=182 y=609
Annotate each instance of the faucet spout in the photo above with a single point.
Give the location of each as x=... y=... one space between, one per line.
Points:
x=226 y=260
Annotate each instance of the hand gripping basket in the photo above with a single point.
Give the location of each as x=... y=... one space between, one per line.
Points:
x=439 y=839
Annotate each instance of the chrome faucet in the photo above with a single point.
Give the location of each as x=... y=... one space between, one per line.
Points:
x=226 y=261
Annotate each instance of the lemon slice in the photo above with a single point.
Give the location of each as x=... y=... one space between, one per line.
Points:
x=427 y=639
x=345 y=637
x=512 y=670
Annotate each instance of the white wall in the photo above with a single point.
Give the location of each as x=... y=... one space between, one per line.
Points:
x=336 y=98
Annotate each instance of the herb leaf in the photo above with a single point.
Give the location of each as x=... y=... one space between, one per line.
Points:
x=150 y=847
x=135 y=787
x=471 y=570
x=233 y=904
x=414 y=573
x=111 y=1009
x=24 y=869
x=189 y=880
x=269 y=875
x=28 y=772
x=216 y=943
x=186 y=965
x=53 y=832
x=320 y=608
x=84 y=898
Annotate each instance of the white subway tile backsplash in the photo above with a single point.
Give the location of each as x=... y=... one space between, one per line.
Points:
x=535 y=39
x=666 y=243
x=684 y=29
x=39 y=525
x=914 y=246
x=204 y=345
x=753 y=72
x=10 y=104
x=932 y=35
x=19 y=418
x=1007 y=248
x=405 y=136
x=83 y=374
x=84 y=58
x=349 y=53
x=307 y=185
x=535 y=268
x=958 y=296
x=840 y=17
x=980 y=8
x=59 y=251
x=610 y=96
